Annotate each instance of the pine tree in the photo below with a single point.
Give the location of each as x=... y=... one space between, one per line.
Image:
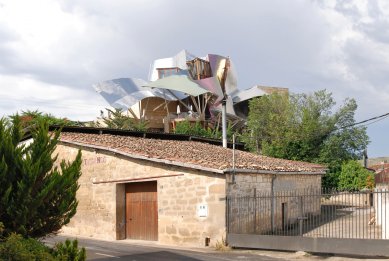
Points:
x=37 y=196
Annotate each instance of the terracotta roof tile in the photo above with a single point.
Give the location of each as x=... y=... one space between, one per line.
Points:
x=381 y=166
x=197 y=153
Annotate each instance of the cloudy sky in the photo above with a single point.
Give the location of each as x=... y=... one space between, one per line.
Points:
x=52 y=51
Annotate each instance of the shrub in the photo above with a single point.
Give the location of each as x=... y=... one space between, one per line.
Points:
x=69 y=251
x=354 y=176
x=16 y=248
x=222 y=245
x=185 y=127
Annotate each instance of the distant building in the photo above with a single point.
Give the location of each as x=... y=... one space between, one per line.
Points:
x=381 y=174
x=184 y=86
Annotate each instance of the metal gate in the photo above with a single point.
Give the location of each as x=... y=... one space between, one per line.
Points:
x=313 y=221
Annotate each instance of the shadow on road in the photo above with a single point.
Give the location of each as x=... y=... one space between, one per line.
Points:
x=159 y=255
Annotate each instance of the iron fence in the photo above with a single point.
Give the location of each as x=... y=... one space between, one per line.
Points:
x=311 y=213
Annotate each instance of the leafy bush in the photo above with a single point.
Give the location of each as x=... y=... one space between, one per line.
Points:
x=1 y=228
x=16 y=248
x=69 y=251
x=185 y=127
x=354 y=176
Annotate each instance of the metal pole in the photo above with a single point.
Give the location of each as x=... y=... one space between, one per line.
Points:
x=224 y=123
x=233 y=158
x=272 y=202
x=300 y=215
x=255 y=211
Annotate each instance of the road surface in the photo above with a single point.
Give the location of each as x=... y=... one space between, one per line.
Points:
x=125 y=250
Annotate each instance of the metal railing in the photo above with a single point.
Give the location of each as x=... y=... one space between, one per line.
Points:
x=311 y=213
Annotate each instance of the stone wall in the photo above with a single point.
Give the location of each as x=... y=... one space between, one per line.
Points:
x=179 y=199
x=101 y=209
x=262 y=202
x=245 y=184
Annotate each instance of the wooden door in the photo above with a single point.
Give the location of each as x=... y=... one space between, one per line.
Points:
x=142 y=210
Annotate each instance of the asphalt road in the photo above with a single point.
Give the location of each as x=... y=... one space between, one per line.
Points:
x=110 y=250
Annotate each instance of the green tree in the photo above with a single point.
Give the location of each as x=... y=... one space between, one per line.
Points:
x=306 y=127
x=354 y=176
x=37 y=196
x=268 y=120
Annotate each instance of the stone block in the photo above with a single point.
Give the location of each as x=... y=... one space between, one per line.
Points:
x=182 y=201
x=201 y=193
x=188 y=182
x=193 y=200
x=196 y=181
x=176 y=239
x=217 y=188
x=191 y=240
x=181 y=190
x=171 y=229
x=184 y=232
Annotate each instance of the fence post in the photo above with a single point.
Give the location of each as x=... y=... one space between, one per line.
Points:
x=272 y=203
x=301 y=215
x=228 y=214
x=255 y=210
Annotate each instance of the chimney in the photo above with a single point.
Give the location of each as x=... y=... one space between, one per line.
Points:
x=365 y=158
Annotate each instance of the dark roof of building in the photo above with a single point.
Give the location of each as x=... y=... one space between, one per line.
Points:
x=189 y=153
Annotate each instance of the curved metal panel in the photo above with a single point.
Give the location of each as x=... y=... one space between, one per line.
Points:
x=125 y=92
x=243 y=95
x=179 y=61
x=212 y=84
x=179 y=83
x=218 y=64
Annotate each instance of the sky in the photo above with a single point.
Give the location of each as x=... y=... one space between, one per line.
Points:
x=53 y=51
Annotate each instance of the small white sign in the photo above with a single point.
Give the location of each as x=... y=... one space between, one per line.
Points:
x=202 y=210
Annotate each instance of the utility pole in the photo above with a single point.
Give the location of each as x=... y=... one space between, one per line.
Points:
x=224 y=123
x=365 y=158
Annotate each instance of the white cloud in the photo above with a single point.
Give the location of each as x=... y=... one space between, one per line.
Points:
x=25 y=93
x=52 y=51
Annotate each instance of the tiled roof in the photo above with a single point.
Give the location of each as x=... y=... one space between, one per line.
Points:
x=379 y=167
x=382 y=176
x=189 y=152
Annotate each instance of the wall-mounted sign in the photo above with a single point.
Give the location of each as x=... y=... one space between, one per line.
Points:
x=202 y=210
x=96 y=160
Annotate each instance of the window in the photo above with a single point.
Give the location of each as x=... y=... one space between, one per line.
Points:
x=199 y=69
x=165 y=72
